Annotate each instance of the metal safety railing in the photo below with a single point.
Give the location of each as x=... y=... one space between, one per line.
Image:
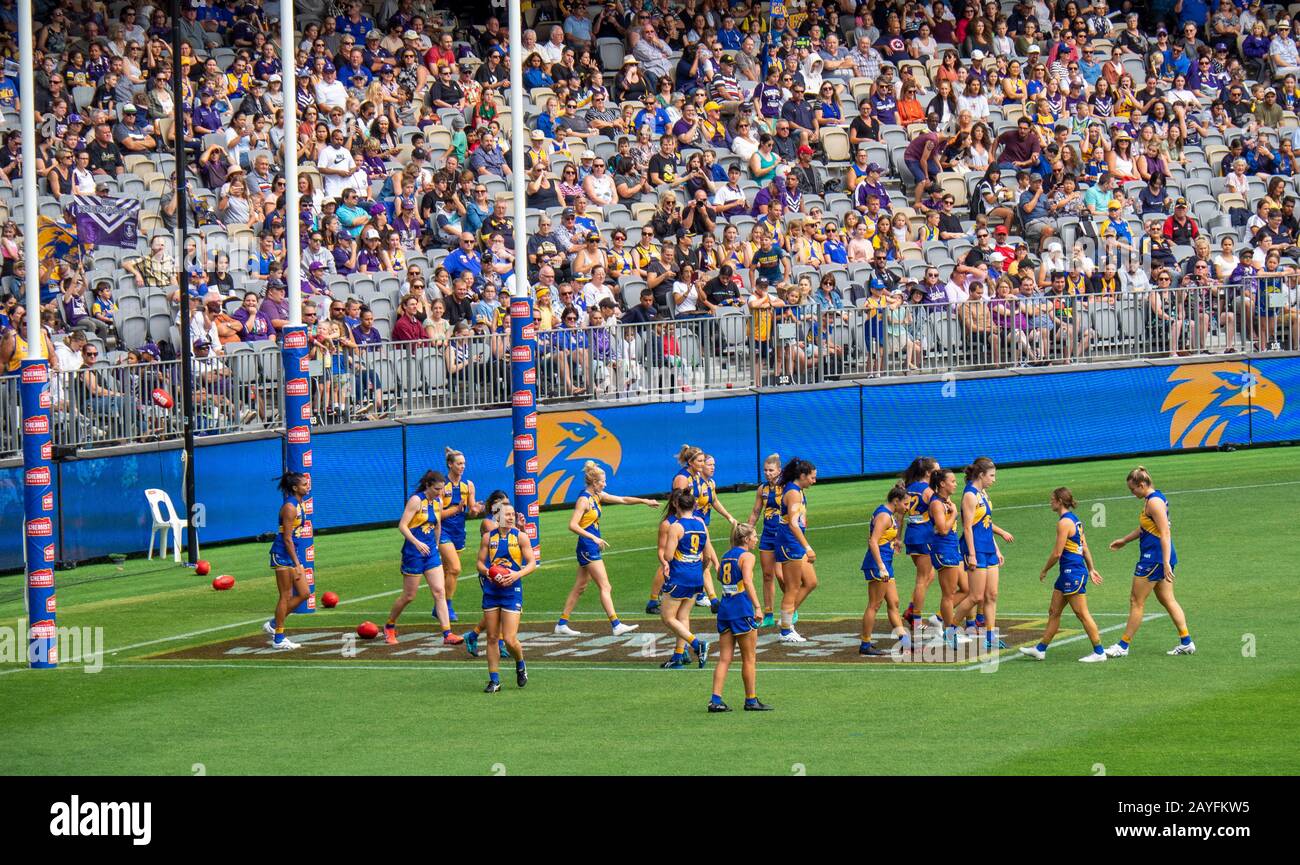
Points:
x=671 y=359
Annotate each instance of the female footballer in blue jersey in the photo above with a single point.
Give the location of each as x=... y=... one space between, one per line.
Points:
x=487 y=524
x=684 y=548
x=738 y=619
x=1076 y=568
x=585 y=523
x=945 y=551
x=917 y=532
x=792 y=548
x=1155 y=567
x=457 y=502
x=691 y=459
x=878 y=568
x=767 y=505
x=288 y=551
x=706 y=502
x=505 y=557
x=979 y=551
x=419 y=526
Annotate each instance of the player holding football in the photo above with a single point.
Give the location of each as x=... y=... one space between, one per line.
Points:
x=738 y=619
x=1155 y=567
x=585 y=523
x=1071 y=550
x=505 y=557
x=487 y=524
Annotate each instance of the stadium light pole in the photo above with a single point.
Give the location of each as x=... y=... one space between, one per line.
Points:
x=294 y=351
x=34 y=389
x=183 y=281
x=523 y=327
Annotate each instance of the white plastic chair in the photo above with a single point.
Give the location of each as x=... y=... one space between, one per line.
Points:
x=166 y=520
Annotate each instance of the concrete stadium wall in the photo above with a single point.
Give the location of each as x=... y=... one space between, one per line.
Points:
x=849 y=430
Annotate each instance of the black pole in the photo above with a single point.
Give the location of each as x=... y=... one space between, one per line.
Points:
x=182 y=225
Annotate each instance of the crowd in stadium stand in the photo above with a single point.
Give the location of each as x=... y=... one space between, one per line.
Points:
x=1013 y=166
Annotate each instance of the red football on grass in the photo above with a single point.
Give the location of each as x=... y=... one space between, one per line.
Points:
x=162 y=398
x=498 y=574
x=367 y=630
x=329 y=599
x=223 y=582
x=202 y=567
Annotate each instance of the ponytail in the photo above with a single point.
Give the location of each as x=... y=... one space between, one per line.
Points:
x=451 y=454
x=981 y=466
x=687 y=454
x=429 y=479
x=679 y=500
x=937 y=476
x=919 y=470
x=1065 y=497
x=741 y=534
x=591 y=471
x=1140 y=477
x=288 y=481
x=795 y=469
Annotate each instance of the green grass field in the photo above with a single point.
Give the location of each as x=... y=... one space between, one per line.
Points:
x=1230 y=709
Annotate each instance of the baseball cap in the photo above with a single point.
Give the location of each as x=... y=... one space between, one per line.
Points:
x=1001 y=231
x=1182 y=202
x=1033 y=49
x=316 y=265
x=874 y=166
x=274 y=76
x=201 y=343
x=727 y=58
x=1114 y=205
x=712 y=106
x=128 y=108
x=537 y=135
x=804 y=148
x=587 y=154
x=328 y=67
x=377 y=208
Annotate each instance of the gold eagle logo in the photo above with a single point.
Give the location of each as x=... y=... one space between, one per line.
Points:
x=1206 y=397
x=565 y=441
